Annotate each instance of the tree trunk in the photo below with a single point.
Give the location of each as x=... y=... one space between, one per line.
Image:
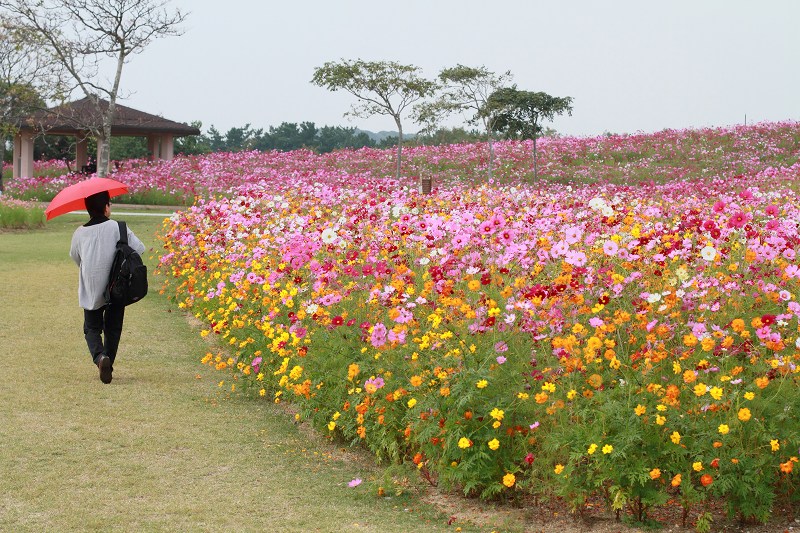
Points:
x=102 y=154
x=491 y=156
x=399 y=145
x=104 y=142
x=2 y=160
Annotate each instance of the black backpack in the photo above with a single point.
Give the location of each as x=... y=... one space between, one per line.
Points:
x=127 y=283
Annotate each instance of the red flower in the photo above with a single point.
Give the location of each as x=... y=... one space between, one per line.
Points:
x=706 y=480
x=529 y=458
x=337 y=321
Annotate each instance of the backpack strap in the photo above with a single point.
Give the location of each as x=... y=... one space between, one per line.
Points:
x=123 y=232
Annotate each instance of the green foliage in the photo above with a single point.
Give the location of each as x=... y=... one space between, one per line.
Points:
x=16 y=214
x=519 y=114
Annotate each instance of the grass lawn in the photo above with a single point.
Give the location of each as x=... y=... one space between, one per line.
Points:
x=162 y=448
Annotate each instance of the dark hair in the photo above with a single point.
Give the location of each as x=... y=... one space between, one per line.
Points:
x=96 y=203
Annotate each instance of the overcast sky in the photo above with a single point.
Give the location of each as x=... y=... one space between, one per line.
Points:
x=630 y=65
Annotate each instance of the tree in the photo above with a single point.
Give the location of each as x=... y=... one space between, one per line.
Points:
x=464 y=89
x=27 y=77
x=382 y=88
x=80 y=34
x=518 y=114
x=193 y=144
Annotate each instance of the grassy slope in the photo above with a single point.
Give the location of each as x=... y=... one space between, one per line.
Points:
x=161 y=448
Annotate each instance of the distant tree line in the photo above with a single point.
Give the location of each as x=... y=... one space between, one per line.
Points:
x=285 y=137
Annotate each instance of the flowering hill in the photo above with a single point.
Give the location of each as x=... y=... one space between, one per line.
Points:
x=636 y=343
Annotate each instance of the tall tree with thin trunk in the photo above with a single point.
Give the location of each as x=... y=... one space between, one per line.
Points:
x=464 y=89
x=382 y=88
x=519 y=114
x=83 y=35
x=28 y=77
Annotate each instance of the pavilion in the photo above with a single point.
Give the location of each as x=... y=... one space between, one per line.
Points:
x=74 y=119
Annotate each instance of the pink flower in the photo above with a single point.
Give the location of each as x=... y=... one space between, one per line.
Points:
x=355 y=483
x=500 y=359
x=500 y=347
x=719 y=207
x=738 y=220
x=610 y=248
x=772 y=210
x=378 y=337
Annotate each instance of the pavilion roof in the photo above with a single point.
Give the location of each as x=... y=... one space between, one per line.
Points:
x=76 y=117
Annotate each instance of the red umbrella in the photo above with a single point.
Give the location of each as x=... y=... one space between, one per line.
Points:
x=72 y=198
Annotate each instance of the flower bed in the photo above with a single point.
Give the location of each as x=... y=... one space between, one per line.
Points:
x=17 y=214
x=656 y=158
x=634 y=343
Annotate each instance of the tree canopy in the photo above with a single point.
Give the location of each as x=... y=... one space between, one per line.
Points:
x=381 y=87
x=519 y=114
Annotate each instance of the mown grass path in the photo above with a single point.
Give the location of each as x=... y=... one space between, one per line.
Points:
x=162 y=448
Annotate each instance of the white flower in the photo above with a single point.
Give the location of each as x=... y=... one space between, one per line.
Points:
x=653 y=298
x=424 y=261
x=311 y=309
x=329 y=236
x=797 y=343
x=708 y=253
x=607 y=211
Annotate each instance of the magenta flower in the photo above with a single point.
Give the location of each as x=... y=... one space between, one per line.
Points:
x=355 y=483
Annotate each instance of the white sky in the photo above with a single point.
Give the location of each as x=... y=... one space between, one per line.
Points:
x=630 y=65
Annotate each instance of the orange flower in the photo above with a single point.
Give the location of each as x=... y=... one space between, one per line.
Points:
x=744 y=414
x=706 y=480
x=676 y=481
x=655 y=473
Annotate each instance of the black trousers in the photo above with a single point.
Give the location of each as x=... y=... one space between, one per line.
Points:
x=102 y=329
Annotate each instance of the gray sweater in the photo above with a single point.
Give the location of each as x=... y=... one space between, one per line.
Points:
x=93 y=250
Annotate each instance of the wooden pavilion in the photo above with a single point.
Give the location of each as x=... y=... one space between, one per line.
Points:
x=75 y=118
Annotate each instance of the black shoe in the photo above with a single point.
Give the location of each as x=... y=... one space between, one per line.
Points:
x=104 y=364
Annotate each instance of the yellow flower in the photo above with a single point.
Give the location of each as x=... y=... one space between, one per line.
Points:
x=482 y=384
x=660 y=420
x=655 y=473
x=474 y=285
x=675 y=437
x=412 y=402
x=723 y=429
x=331 y=425
x=774 y=445
x=749 y=395
x=592 y=448
x=700 y=389
x=464 y=443
x=697 y=466
x=558 y=469
x=744 y=414
x=572 y=394
x=494 y=444
x=497 y=414
x=608 y=449
x=716 y=393
x=296 y=372
x=509 y=480
x=416 y=381
x=640 y=410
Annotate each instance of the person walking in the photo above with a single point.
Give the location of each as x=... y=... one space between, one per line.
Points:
x=93 y=248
